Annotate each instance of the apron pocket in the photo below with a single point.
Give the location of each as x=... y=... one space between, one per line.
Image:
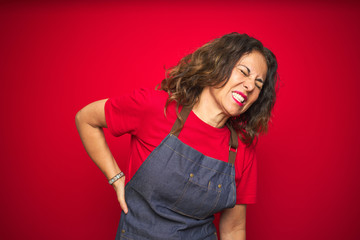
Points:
x=198 y=201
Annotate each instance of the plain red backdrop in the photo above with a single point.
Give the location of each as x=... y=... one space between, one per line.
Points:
x=56 y=58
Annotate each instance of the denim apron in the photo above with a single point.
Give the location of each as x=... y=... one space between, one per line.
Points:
x=176 y=191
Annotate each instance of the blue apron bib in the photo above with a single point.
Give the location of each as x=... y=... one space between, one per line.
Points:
x=176 y=191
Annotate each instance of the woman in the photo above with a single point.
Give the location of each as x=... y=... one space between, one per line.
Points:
x=191 y=142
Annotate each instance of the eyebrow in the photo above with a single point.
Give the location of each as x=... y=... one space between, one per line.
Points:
x=257 y=79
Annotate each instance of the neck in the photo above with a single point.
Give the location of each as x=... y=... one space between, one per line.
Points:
x=209 y=111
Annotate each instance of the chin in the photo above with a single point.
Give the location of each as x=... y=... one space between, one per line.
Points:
x=235 y=114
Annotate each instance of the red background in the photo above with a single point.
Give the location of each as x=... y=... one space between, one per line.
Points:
x=56 y=58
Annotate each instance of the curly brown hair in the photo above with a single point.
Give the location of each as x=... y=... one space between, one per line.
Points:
x=211 y=65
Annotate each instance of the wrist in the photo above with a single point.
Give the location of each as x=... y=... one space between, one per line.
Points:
x=116 y=178
x=120 y=182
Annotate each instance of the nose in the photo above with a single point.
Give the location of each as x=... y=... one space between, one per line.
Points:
x=249 y=84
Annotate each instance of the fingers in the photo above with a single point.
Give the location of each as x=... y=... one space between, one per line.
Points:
x=119 y=187
x=122 y=202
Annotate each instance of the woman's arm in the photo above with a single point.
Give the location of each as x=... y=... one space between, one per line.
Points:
x=232 y=223
x=89 y=122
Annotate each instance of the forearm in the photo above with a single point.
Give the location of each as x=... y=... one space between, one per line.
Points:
x=234 y=235
x=232 y=224
x=95 y=145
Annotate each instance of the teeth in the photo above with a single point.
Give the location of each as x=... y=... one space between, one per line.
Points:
x=238 y=97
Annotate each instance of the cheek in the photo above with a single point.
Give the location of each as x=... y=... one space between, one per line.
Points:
x=253 y=99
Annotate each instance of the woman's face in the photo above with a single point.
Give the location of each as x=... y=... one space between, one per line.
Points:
x=244 y=85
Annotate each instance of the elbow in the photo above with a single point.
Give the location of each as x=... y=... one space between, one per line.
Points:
x=92 y=114
x=78 y=118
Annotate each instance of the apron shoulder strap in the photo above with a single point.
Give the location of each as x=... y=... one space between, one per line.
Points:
x=176 y=128
x=233 y=145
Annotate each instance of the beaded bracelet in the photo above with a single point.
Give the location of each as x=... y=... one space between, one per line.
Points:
x=116 y=177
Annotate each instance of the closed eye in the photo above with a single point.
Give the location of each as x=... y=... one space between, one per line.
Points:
x=243 y=73
x=259 y=81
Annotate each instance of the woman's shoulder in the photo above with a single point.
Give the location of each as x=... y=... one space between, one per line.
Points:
x=155 y=124
x=154 y=100
x=143 y=100
x=150 y=96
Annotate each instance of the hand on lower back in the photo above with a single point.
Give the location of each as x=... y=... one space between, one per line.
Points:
x=119 y=187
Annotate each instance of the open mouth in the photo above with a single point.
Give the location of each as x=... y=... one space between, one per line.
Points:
x=239 y=97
